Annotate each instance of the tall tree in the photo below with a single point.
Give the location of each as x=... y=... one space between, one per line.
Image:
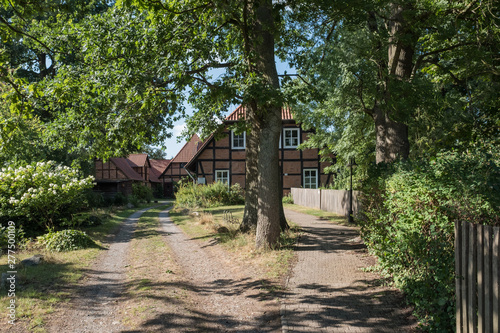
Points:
x=30 y=53
x=399 y=73
x=140 y=60
x=133 y=66
x=240 y=37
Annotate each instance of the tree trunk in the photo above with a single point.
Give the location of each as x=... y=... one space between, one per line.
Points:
x=264 y=116
x=249 y=223
x=392 y=138
x=269 y=198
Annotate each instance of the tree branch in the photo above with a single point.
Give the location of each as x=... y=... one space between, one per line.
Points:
x=12 y=84
x=424 y=55
x=209 y=66
x=189 y=10
x=360 y=95
x=2 y=20
x=328 y=36
x=16 y=11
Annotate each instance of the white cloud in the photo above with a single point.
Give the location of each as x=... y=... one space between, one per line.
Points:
x=177 y=130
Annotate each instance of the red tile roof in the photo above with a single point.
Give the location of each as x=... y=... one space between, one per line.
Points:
x=234 y=116
x=123 y=164
x=157 y=168
x=188 y=151
x=138 y=160
x=241 y=110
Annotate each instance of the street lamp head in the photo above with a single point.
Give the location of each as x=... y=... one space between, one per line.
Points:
x=352 y=163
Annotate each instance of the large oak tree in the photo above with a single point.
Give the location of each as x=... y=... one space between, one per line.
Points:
x=396 y=77
x=238 y=39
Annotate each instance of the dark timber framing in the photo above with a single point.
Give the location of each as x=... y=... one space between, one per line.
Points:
x=220 y=155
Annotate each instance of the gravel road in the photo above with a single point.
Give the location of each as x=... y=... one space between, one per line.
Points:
x=227 y=298
x=223 y=297
x=95 y=308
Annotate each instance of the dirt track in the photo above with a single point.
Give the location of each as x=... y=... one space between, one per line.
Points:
x=209 y=292
x=217 y=296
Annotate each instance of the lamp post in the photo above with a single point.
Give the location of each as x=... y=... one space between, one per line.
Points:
x=352 y=164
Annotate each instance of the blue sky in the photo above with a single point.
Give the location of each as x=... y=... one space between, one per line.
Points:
x=173 y=146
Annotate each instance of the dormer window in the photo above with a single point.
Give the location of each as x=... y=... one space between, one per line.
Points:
x=238 y=140
x=291 y=137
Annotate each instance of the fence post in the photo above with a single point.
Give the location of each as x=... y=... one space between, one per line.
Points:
x=458 y=275
x=471 y=278
x=480 y=278
x=495 y=280
x=488 y=327
x=320 y=207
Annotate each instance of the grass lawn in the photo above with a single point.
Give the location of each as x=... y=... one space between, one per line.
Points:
x=222 y=223
x=339 y=219
x=39 y=289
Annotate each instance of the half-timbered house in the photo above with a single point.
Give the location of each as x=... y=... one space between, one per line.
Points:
x=175 y=170
x=119 y=173
x=224 y=159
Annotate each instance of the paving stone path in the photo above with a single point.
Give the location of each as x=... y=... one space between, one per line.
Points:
x=329 y=291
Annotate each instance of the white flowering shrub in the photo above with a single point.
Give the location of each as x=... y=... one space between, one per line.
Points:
x=41 y=194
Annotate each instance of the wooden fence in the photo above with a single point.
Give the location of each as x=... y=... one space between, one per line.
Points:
x=477 y=278
x=336 y=201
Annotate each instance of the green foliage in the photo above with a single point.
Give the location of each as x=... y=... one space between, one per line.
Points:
x=66 y=240
x=79 y=84
x=157 y=190
x=19 y=235
x=134 y=200
x=288 y=199
x=212 y=195
x=410 y=209
x=142 y=192
x=120 y=199
x=451 y=96
x=95 y=199
x=41 y=194
x=85 y=219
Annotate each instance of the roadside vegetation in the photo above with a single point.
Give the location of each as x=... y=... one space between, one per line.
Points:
x=324 y=215
x=41 y=289
x=410 y=209
x=191 y=195
x=47 y=197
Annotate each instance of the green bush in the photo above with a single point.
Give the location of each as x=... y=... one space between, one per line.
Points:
x=66 y=240
x=95 y=199
x=142 y=192
x=18 y=234
x=409 y=213
x=216 y=194
x=157 y=191
x=288 y=199
x=120 y=199
x=85 y=219
x=42 y=194
x=132 y=199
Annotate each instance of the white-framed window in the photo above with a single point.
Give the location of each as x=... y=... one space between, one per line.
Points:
x=222 y=176
x=291 y=137
x=238 y=141
x=310 y=178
